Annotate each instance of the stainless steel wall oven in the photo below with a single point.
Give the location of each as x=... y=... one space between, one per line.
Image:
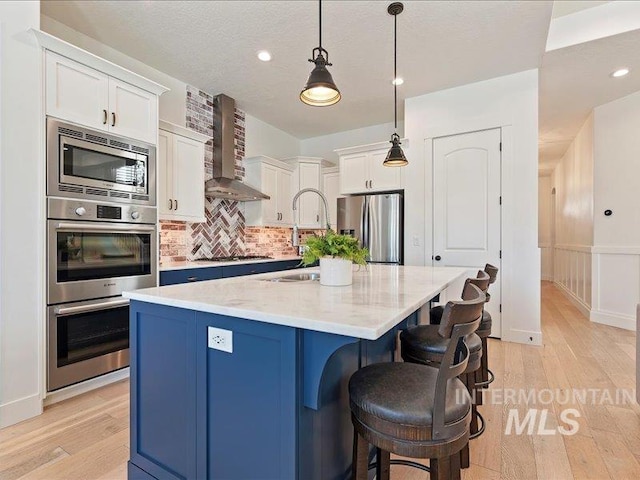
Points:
x=95 y=252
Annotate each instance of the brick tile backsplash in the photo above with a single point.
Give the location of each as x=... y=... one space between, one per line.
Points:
x=224 y=232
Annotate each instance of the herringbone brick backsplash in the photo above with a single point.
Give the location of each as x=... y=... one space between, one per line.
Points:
x=224 y=232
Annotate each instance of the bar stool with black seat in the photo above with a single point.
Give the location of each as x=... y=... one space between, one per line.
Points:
x=423 y=344
x=416 y=410
x=485 y=376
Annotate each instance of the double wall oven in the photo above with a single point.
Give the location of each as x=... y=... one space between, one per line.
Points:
x=101 y=240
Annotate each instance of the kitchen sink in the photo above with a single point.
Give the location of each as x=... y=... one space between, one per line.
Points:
x=297 y=277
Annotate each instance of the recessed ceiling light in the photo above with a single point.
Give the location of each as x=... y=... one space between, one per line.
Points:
x=620 y=73
x=397 y=81
x=264 y=55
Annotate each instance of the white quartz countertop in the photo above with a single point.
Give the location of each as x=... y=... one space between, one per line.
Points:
x=164 y=267
x=381 y=296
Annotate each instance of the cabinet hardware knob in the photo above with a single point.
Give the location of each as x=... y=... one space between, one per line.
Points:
x=113 y=119
x=192 y=279
x=105 y=117
x=176 y=201
x=170 y=204
x=370 y=183
x=437 y=258
x=317 y=218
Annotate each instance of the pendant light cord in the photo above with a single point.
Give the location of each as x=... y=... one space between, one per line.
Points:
x=320 y=22
x=395 y=72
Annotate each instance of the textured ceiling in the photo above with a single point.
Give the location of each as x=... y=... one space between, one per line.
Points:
x=576 y=79
x=213 y=45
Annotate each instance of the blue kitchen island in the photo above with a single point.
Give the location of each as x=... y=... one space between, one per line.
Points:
x=246 y=378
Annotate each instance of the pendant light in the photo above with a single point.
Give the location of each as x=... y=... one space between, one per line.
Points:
x=320 y=90
x=395 y=157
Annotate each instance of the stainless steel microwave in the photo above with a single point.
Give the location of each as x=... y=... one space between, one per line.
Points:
x=90 y=164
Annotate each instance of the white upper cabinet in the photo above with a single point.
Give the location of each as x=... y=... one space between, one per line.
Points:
x=180 y=173
x=76 y=93
x=273 y=178
x=362 y=170
x=133 y=111
x=80 y=94
x=307 y=173
x=331 y=190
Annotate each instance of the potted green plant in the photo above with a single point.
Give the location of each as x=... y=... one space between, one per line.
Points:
x=337 y=254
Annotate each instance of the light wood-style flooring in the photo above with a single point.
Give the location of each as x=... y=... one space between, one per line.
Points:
x=87 y=438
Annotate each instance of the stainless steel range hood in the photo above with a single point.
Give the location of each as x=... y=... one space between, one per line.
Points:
x=224 y=184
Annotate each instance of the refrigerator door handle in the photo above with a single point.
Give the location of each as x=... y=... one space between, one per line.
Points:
x=364 y=228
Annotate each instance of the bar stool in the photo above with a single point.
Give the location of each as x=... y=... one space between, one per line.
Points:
x=416 y=410
x=423 y=344
x=485 y=376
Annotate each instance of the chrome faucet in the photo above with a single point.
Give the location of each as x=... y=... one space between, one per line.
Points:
x=295 y=241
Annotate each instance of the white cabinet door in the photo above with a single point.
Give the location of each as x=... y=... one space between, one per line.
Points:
x=354 y=173
x=165 y=174
x=133 y=112
x=308 y=208
x=270 y=212
x=383 y=178
x=285 y=197
x=76 y=93
x=331 y=190
x=188 y=185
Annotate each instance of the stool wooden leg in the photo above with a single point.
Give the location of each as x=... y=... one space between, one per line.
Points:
x=485 y=360
x=383 y=465
x=455 y=467
x=360 y=465
x=440 y=468
x=478 y=390
x=465 y=462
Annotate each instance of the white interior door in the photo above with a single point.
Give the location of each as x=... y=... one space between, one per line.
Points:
x=466 y=208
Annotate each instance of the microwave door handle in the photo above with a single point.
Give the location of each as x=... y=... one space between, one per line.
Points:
x=65 y=311
x=103 y=228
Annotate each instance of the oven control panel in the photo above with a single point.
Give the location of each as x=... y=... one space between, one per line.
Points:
x=69 y=209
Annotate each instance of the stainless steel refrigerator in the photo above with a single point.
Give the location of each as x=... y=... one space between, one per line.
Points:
x=377 y=221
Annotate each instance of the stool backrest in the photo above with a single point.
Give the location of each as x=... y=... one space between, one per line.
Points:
x=462 y=318
x=491 y=271
x=482 y=281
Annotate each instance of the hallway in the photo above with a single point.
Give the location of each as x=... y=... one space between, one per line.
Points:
x=87 y=437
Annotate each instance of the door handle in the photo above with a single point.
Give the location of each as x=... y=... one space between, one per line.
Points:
x=105 y=118
x=113 y=119
x=437 y=258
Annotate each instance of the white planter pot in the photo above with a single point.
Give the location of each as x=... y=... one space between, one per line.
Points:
x=336 y=272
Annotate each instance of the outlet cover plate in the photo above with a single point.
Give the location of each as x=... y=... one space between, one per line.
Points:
x=220 y=339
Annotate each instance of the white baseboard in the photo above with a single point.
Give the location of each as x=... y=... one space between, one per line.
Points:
x=87 y=386
x=526 y=337
x=628 y=322
x=579 y=304
x=548 y=278
x=19 y=410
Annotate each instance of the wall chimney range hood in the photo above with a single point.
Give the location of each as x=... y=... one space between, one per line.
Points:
x=224 y=184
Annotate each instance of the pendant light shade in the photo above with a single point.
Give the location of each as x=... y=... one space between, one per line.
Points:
x=320 y=90
x=395 y=157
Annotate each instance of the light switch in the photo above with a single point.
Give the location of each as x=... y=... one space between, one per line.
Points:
x=220 y=339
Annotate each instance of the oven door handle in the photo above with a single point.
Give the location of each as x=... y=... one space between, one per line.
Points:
x=104 y=228
x=65 y=311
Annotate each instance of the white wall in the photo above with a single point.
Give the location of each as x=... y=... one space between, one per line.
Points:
x=573 y=181
x=510 y=102
x=616 y=250
x=265 y=139
x=325 y=145
x=545 y=226
x=21 y=208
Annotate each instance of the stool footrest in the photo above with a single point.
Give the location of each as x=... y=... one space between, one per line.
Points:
x=486 y=383
x=406 y=463
x=481 y=429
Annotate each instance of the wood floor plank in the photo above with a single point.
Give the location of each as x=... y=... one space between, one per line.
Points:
x=585 y=458
x=619 y=460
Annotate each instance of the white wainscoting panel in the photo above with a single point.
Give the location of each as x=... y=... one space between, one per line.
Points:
x=572 y=272
x=616 y=288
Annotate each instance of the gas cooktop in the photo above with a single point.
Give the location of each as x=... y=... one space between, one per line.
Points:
x=233 y=258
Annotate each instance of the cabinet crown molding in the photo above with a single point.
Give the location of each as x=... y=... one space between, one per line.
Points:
x=268 y=161
x=183 y=131
x=369 y=147
x=66 y=49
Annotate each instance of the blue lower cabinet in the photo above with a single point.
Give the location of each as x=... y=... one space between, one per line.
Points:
x=173 y=277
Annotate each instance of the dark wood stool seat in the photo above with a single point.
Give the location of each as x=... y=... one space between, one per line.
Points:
x=417 y=410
